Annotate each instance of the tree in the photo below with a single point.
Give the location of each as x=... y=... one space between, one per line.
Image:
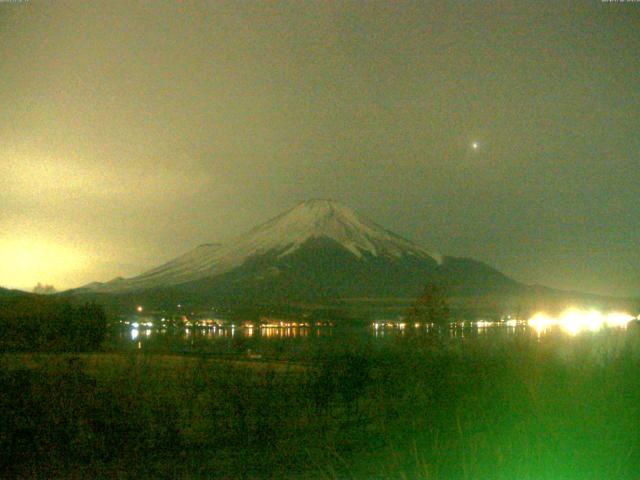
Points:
x=44 y=289
x=39 y=323
x=431 y=306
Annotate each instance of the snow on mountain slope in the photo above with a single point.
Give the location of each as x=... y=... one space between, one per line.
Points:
x=281 y=235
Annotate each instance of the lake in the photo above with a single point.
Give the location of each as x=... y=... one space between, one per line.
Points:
x=303 y=343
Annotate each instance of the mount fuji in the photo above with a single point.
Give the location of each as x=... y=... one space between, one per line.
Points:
x=318 y=251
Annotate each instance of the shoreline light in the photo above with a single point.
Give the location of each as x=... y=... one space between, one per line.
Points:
x=574 y=321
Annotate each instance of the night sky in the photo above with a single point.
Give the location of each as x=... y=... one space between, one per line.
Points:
x=130 y=133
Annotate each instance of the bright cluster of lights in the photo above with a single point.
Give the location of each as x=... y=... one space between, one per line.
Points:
x=483 y=324
x=281 y=324
x=574 y=321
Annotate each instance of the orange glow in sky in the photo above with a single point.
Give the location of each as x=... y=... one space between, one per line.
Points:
x=26 y=261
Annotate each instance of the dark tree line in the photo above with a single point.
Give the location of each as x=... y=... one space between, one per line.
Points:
x=52 y=325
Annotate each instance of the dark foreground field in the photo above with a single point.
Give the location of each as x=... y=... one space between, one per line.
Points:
x=419 y=407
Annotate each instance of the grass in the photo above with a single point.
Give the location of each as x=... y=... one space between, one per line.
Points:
x=412 y=408
x=96 y=363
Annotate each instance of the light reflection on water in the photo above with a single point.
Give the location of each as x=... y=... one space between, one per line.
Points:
x=239 y=339
x=537 y=326
x=213 y=333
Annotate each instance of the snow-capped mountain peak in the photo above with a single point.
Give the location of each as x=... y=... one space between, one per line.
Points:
x=282 y=235
x=333 y=220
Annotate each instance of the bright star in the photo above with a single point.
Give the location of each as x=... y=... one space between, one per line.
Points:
x=475 y=145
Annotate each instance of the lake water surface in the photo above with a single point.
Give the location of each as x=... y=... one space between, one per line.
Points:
x=303 y=343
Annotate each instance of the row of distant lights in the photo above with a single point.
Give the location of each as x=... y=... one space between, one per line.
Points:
x=477 y=323
x=571 y=321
